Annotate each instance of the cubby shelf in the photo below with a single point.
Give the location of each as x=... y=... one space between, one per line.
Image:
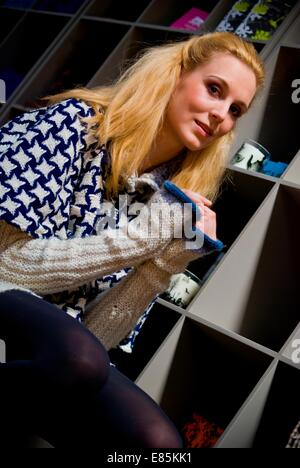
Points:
x=165 y=12
x=21 y=50
x=69 y=65
x=231 y=355
x=118 y=9
x=266 y=418
x=8 y=21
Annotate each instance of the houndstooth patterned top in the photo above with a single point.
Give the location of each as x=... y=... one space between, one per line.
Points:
x=52 y=181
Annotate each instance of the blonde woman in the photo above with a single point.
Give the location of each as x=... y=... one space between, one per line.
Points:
x=158 y=137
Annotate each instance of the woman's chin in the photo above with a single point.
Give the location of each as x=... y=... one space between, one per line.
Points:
x=196 y=146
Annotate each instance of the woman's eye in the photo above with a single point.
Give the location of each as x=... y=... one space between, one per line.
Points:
x=214 y=88
x=236 y=111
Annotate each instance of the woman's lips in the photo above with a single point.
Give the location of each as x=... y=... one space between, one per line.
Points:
x=202 y=129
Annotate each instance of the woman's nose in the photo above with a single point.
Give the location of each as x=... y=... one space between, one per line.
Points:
x=219 y=113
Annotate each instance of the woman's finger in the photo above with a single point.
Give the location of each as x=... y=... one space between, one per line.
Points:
x=197 y=197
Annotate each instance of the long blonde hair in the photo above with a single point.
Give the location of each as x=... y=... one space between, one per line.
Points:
x=130 y=112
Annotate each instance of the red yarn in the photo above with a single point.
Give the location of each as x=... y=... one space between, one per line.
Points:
x=200 y=433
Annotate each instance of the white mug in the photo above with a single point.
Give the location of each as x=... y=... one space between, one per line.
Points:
x=182 y=288
x=250 y=156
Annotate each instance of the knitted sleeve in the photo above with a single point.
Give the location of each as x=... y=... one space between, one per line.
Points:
x=47 y=266
x=121 y=306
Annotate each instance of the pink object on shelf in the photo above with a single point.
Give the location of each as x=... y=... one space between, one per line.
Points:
x=192 y=20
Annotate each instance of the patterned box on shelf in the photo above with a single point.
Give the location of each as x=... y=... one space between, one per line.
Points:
x=264 y=19
x=192 y=20
x=236 y=15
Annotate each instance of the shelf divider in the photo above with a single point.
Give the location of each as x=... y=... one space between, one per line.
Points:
x=292 y=173
x=160 y=365
x=242 y=430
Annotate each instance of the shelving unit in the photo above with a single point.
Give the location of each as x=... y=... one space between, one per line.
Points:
x=230 y=355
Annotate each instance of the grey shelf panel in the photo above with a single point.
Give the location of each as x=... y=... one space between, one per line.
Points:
x=255 y=174
x=170 y=305
x=287 y=183
x=108 y=20
x=232 y=335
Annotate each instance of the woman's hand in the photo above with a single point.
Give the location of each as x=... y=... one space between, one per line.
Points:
x=208 y=221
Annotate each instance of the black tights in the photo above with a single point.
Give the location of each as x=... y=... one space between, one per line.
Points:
x=57 y=382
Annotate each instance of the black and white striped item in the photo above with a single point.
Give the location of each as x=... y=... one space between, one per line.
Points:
x=294 y=442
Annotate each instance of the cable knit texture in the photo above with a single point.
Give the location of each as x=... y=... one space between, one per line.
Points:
x=118 y=309
x=50 y=265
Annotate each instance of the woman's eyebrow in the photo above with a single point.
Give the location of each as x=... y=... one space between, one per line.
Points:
x=227 y=87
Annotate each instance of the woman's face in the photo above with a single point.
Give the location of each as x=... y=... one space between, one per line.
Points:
x=214 y=96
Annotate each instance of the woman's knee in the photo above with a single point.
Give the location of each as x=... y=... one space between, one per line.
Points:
x=161 y=434
x=81 y=363
x=62 y=350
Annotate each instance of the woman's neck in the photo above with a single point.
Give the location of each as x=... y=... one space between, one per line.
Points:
x=164 y=149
